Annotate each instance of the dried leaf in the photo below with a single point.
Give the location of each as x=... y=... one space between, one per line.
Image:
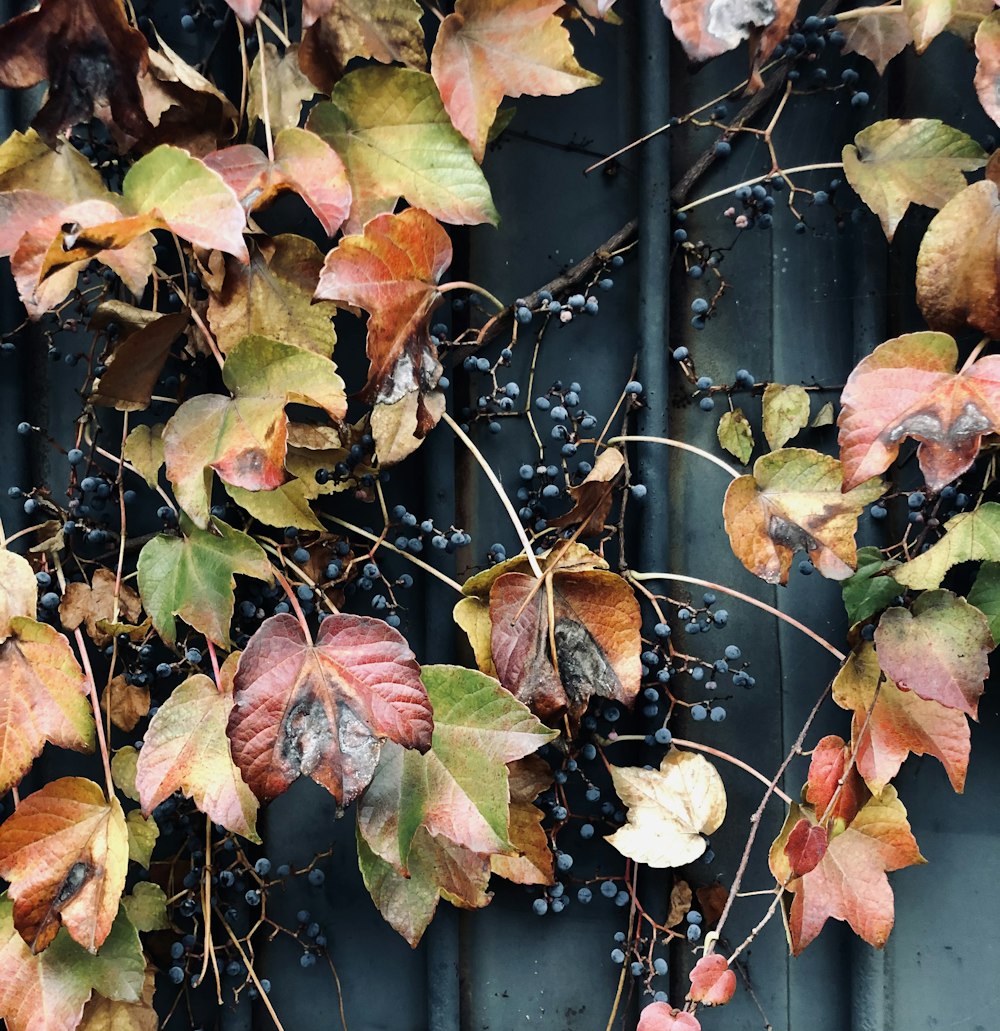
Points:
x=928 y=19
x=102 y=1014
x=988 y=68
x=127 y=702
x=735 y=435
x=669 y=809
x=879 y=37
x=534 y=863
x=908 y=387
x=792 y=502
x=712 y=982
x=27 y=162
x=592 y=498
x=824 y=417
x=786 y=411
x=898 y=162
x=144 y=449
x=680 y=903
x=708 y=28
x=64 y=851
x=288 y=88
x=88 y=603
x=18 y=590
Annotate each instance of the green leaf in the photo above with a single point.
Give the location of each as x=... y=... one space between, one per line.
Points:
x=142 y=835
x=985 y=595
x=287 y=505
x=193 y=577
x=123 y=764
x=786 y=411
x=391 y=130
x=735 y=435
x=868 y=592
x=968 y=536
x=903 y=161
x=147 y=907
x=144 y=449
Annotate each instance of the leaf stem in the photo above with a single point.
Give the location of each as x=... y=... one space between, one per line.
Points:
x=293 y=601
x=790 y=620
x=102 y=742
x=462 y=284
x=976 y=352
x=281 y=37
x=759 y=179
x=500 y=492
x=250 y=970
x=863 y=12
x=214 y=659
x=265 y=107
x=682 y=445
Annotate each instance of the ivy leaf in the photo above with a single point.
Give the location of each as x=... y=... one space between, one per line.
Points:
x=123 y=764
x=988 y=68
x=534 y=863
x=102 y=1014
x=391 y=130
x=61 y=172
x=593 y=497
x=90 y=56
x=48 y=992
x=147 y=907
x=712 y=982
x=490 y=49
x=786 y=411
x=194 y=576
x=849 y=883
x=89 y=604
x=898 y=162
x=323 y=709
x=908 y=387
x=985 y=595
x=18 y=590
x=669 y=809
x=928 y=19
x=938 y=649
x=288 y=88
x=806 y=845
x=64 y=851
x=705 y=30
x=835 y=789
x=43 y=697
x=969 y=536
x=879 y=37
x=595 y=630
x=392 y=271
x=144 y=449
x=870 y=589
x=794 y=502
x=186 y=749
x=272 y=296
x=127 y=703
x=735 y=435
x=888 y=726
x=958 y=284
x=303 y=163
x=661 y=1016
x=287 y=505
x=142 y=838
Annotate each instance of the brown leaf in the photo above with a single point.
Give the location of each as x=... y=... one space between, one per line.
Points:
x=680 y=903
x=89 y=603
x=593 y=497
x=127 y=702
x=288 y=88
x=712 y=899
x=708 y=28
x=528 y=778
x=879 y=37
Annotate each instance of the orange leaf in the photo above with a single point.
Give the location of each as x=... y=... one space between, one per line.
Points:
x=827 y=768
x=94 y=602
x=659 y=1016
x=65 y=853
x=712 y=982
x=707 y=28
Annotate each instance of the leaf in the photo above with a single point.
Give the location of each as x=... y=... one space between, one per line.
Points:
x=806 y=845
x=144 y=449
x=835 y=789
x=988 y=68
x=593 y=497
x=849 y=883
x=43 y=697
x=969 y=536
x=323 y=709
x=928 y=19
x=84 y=603
x=102 y=1014
x=735 y=435
x=64 y=851
x=147 y=907
x=135 y=365
x=303 y=163
x=399 y=427
x=142 y=836
x=937 y=649
x=534 y=863
x=243 y=438
x=288 y=88
x=27 y=162
x=48 y=992
x=888 y=726
x=89 y=55
x=786 y=411
x=870 y=589
x=388 y=31
x=194 y=576
x=272 y=296
x=127 y=702
x=958 y=284
x=18 y=591
x=824 y=417
x=879 y=37
x=794 y=502
x=712 y=982
x=395 y=138
x=595 y=629
x=707 y=29
x=985 y=595
x=898 y=162
x=908 y=387
x=186 y=749
x=669 y=809
x=490 y=49
x=661 y=1016
x=287 y=505
x=123 y=765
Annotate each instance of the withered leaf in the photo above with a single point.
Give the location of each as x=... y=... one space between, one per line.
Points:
x=593 y=497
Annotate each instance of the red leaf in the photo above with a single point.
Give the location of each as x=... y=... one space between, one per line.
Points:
x=826 y=770
x=321 y=709
x=908 y=387
x=806 y=846
x=712 y=982
x=658 y=1016
x=246 y=10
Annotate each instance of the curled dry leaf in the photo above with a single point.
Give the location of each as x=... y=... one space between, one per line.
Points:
x=879 y=36
x=323 y=709
x=928 y=19
x=902 y=161
x=938 y=649
x=708 y=28
x=794 y=502
x=64 y=851
x=592 y=498
x=18 y=590
x=534 y=863
x=669 y=809
x=712 y=982
x=288 y=88
x=89 y=604
x=908 y=387
x=786 y=411
x=126 y=702
x=660 y=1016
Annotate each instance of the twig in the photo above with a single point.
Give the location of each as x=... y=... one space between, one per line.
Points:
x=670 y=442
x=250 y=969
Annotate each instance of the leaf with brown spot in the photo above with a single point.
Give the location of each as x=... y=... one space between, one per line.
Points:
x=794 y=502
x=91 y=58
x=902 y=161
x=735 y=435
x=89 y=603
x=938 y=649
x=958 y=275
x=18 y=590
x=323 y=709
x=708 y=28
x=593 y=497
x=712 y=982
x=785 y=412
x=64 y=851
x=594 y=623
x=43 y=698
x=879 y=36
x=128 y=702
x=528 y=778
x=908 y=387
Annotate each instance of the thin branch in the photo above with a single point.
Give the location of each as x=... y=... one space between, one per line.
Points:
x=681 y=445
x=250 y=970
x=759 y=179
x=461 y=284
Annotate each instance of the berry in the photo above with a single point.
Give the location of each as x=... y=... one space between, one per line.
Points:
x=617 y=956
x=699 y=306
x=698 y=712
x=663 y=736
x=706 y=404
x=540 y=907
x=633 y=387
x=316 y=877
x=680 y=353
